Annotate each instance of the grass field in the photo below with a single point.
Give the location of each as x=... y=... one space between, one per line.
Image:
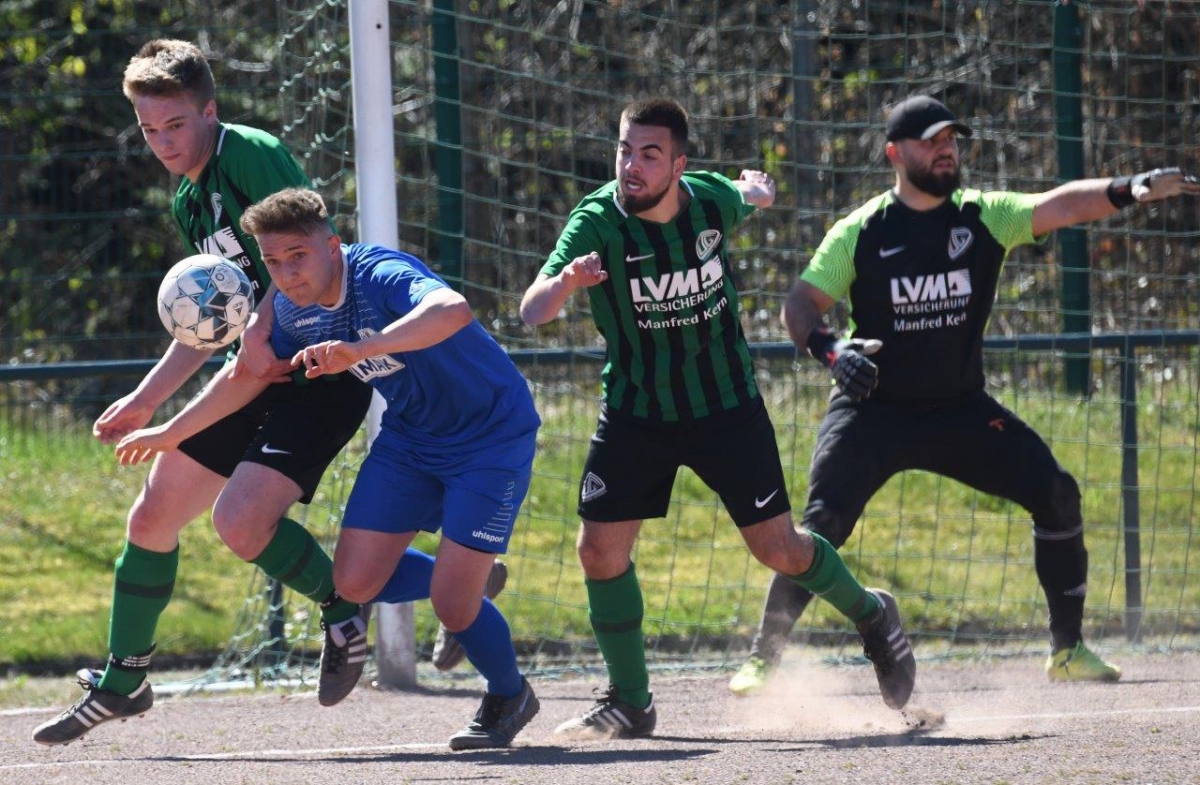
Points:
x=961 y=562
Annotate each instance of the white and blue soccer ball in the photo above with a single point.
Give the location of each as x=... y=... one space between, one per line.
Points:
x=205 y=301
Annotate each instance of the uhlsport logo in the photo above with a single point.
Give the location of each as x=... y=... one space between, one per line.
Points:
x=421 y=285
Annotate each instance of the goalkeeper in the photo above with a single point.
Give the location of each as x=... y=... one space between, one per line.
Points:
x=920 y=265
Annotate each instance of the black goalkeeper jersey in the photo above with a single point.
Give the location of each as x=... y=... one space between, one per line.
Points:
x=923 y=283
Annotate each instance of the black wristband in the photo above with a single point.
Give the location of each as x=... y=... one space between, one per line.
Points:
x=820 y=342
x=1120 y=192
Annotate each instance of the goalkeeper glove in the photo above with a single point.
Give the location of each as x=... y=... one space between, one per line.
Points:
x=846 y=359
x=1152 y=186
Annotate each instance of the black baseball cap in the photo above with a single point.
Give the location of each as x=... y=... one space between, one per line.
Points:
x=921 y=117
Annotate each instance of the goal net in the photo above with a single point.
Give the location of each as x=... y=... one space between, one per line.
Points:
x=505 y=115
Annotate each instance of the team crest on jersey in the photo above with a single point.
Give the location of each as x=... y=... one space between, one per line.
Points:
x=708 y=240
x=420 y=286
x=960 y=240
x=217 y=207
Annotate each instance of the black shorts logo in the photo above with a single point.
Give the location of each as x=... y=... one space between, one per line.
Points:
x=593 y=488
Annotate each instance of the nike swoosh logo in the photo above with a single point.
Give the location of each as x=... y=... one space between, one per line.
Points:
x=886 y=252
x=763 y=503
x=639 y=258
x=269 y=450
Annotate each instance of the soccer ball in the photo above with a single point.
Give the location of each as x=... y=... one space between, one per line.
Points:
x=205 y=301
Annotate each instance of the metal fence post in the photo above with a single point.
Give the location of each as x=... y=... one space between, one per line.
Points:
x=1129 y=493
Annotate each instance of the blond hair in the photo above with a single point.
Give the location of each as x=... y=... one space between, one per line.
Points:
x=290 y=211
x=167 y=68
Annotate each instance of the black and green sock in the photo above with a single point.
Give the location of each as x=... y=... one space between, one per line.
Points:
x=828 y=578
x=142 y=589
x=295 y=558
x=615 y=609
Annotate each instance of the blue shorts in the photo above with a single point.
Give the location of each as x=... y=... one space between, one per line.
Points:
x=473 y=497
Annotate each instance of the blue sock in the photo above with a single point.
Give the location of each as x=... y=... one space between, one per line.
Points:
x=411 y=579
x=489 y=647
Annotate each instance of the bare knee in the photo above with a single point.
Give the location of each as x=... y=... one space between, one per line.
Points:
x=455 y=612
x=599 y=561
x=244 y=532
x=792 y=556
x=777 y=544
x=152 y=525
x=354 y=585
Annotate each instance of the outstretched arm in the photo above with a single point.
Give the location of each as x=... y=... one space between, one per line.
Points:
x=134 y=410
x=440 y=314
x=1081 y=201
x=757 y=188
x=548 y=294
x=223 y=396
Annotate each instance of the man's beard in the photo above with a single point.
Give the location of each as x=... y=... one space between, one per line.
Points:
x=936 y=184
x=639 y=204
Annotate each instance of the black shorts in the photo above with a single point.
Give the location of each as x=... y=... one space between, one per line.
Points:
x=295 y=429
x=631 y=466
x=975 y=441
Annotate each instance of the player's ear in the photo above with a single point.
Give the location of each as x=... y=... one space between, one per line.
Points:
x=209 y=111
x=679 y=165
x=335 y=246
x=892 y=152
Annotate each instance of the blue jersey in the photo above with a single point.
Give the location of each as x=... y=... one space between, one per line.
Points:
x=462 y=392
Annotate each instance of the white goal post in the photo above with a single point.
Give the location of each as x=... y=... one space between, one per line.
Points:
x=371 y=81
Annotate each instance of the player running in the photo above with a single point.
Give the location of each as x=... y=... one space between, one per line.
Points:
x=651 y=249
x=455 y=451
x=250 y=467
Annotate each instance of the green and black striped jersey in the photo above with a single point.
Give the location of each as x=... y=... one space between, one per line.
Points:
x=923 y=283
x=668 y=311
x=247 y=165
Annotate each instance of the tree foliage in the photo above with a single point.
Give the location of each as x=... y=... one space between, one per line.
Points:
x=793 y=86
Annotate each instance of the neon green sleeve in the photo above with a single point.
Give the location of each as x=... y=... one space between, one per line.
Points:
x=832 y=267
x=1009 y=217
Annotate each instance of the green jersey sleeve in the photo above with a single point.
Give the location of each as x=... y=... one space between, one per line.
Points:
x=261 y=165
x=1009 y=217
x=734 y=206
x=585 y=232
